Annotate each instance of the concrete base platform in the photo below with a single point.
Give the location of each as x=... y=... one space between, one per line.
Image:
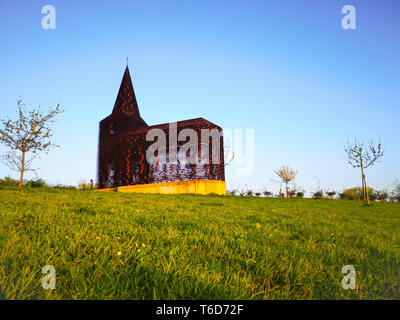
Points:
x=177 y=187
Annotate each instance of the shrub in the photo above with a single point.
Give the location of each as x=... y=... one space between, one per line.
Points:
x=64 y=187
x=300 y=194
x=356 y=194
x=395 y=193
x=267 y=194
x=36 y=183
x=373 y=195
x=33 y=183
x=317 y=195
x=9 y=182
x=83 y=185
x=381 y=195
x=292 y=193
x=351 y=194
x=331 y=194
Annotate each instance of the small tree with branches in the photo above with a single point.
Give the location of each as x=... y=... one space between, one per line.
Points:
x=287 y=175
x=294 y=190
x=331 y=194
x=30 y=133
x=361 y=156
x=395 y=193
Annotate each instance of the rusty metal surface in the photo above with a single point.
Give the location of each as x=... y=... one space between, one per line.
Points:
x=122 y=147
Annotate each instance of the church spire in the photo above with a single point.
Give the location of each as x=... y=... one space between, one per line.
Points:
x=126 y=99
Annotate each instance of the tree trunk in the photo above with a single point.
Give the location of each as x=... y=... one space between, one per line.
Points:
x=287 y=190
x=362 y=184
x=364 y=187
x=366 y=192
x=22 y=169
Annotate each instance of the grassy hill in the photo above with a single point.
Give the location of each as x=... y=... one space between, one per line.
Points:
x=132 y=246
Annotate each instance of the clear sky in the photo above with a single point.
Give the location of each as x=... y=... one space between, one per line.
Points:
x=285 y=68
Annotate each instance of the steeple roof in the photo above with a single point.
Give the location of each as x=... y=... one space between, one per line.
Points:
x=126 y=99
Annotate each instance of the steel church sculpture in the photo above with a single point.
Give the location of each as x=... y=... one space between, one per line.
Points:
x=124 y=143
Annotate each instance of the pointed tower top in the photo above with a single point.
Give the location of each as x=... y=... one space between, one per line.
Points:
x=126 y=99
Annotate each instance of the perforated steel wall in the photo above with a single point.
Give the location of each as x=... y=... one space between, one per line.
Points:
x=123 y=146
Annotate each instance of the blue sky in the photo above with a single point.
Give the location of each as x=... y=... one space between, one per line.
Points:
x=285 y=68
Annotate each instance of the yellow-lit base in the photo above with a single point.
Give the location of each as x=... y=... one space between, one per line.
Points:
x=177 y=187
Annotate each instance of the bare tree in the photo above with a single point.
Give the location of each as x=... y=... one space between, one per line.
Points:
x=319 y=192
x=266 y=191
x=395 y=193
x=30 y=133
x=360 y=156
x=249 y=191
x=287 y=175
x=242 y=192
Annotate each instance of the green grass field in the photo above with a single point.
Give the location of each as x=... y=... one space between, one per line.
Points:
x=132 y=246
